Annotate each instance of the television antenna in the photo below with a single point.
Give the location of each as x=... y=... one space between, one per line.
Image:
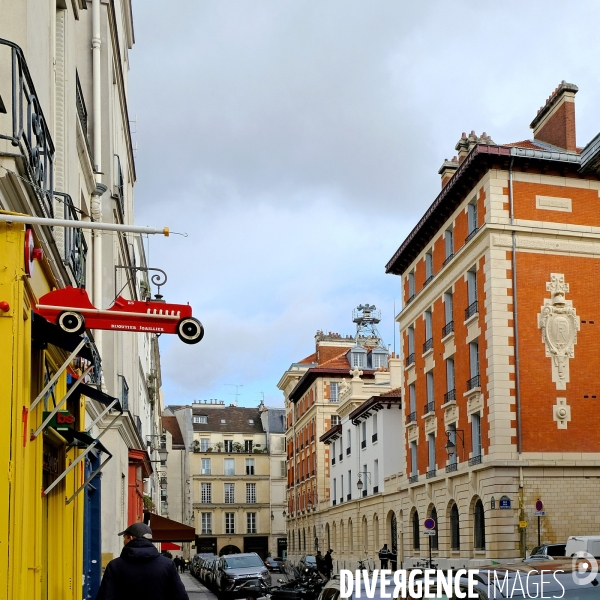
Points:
x=237 y=387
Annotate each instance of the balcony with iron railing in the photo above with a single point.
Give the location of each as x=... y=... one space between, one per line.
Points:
x=75 y=246
x=374 y=437
x=448 y=259
x=412 y=417
x=428 y=345
x=428 y=280
x=471 y=310
x=363 y=444
x=429 y=408
x=451 y=467
x=431 y=473
x=450 y=396
x=476 y=460
x=473 y=383
x=413 y=478
x=25 y=127
x=410 y=359
x=471 y=235
x=447 y=329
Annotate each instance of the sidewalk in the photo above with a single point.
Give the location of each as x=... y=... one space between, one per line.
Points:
x=195 y=590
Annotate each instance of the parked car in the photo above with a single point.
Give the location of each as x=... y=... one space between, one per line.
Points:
x=275 y=564
x=546 y=552
x=308 y=561
x=234 y=570
x=196 y=563
x=206 y=569
x=71 y=309
x=583 y=543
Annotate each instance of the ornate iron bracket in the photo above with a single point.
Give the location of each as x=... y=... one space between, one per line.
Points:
x=158 y=279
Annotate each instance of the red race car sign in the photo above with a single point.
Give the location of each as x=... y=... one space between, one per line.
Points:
x=71 y=309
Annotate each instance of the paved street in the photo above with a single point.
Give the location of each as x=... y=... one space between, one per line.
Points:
x=195 y=590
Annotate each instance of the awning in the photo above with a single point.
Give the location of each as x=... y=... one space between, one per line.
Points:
x=167 y=530
x=142 y=458
x=43 y=333
x=95 y=394
x=169 y=546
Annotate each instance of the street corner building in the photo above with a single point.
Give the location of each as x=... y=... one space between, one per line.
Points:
x=80 y=408
x=501 y=375
x=487 y=421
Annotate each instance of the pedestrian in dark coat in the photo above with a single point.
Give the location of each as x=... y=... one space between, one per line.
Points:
x=140 y=571
x=384 y=555
x=328 y=563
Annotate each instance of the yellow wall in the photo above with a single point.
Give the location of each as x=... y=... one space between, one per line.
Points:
x=41 y=539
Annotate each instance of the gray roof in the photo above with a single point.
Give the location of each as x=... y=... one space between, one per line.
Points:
x=236 y=419
x=276 y=420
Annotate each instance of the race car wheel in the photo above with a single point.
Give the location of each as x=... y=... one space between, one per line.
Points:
x=190 y=330
x=71 y=322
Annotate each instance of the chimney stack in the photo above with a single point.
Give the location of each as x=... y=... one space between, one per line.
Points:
x=448 y=169
x=555 y=121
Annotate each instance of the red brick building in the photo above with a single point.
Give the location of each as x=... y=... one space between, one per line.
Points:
x=502 y=372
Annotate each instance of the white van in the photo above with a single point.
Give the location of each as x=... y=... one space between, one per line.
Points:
x=585 y=543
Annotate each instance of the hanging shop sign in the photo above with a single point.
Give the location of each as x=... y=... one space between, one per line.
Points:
x=71 y=309
x=61 y=420
x=31 y=252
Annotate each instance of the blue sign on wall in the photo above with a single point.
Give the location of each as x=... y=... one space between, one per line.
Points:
x=505 y=502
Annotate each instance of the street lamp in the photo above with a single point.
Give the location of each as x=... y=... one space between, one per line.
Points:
x=162 y=449
x=359 y=483
x=450 y=444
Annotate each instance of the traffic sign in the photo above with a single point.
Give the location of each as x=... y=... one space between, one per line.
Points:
x=429 y=524
x=539 y=513
x=429 y=532
x=539 y=506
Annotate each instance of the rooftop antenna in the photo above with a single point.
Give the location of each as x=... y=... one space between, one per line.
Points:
x=366 y=317
x=237 y=387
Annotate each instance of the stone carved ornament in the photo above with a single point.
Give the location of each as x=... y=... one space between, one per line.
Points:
x=559 y=324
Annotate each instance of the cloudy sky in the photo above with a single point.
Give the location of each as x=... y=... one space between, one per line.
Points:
x=297 y=142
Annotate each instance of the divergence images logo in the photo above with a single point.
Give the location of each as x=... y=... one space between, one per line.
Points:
x=585 y=568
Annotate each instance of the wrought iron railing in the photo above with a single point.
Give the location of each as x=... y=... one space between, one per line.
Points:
x=119 y=189
x=124 y=393
x=76 y=248
x=374 y=437
x=375 y=489
x=431 y=473
x=428 y=345
x=429 y=407
x=363 y=444
x=138 y=424
x=473 y=383
x=448 y=259
x=428 y=280
x=471 y=234
x=449 y=396
x=410 y=299
x=413 y=478
x=448 y=328
x=476 y=460
x=30 y=132
x=410 y=359
x=451 y=467
x=412 y=417
x=471 y=310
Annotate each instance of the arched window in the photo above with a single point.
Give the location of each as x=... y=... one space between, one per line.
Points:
x=365 y=533
x=342 y=536
x=454 y=528
x=479 y=526
x=415 y=528
x=350 y=535
x=434 y=538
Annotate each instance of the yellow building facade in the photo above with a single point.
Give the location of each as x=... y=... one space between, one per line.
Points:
x=41 y=535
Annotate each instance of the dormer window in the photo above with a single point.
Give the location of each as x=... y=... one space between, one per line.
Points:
x=379 y=358
x=223 y=421
x=358 y=357
x=201 y=419
x=251 y=421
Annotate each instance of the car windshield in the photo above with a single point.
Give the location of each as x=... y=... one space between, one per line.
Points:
x=242 y=562
x=310 y=559
x=537 y=550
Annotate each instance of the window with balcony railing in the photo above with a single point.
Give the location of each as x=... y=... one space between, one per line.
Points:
x=412 y=417
x=449 y=396
x=471 y=310
x=447 y=329
x=429 y=407
x=410 y=359
x=428 y=345
x=430 y=474
x=473 y=383
x=413 y=478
